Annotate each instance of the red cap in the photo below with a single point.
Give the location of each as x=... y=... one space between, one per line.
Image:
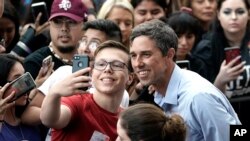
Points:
x=73 y=9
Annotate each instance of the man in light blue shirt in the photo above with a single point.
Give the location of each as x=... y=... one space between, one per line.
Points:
x=206 y=111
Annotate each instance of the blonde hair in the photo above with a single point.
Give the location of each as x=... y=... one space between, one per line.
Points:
x=108 y=5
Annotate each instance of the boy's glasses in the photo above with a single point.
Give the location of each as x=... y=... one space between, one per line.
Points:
x=115 y=65
x=92 y=45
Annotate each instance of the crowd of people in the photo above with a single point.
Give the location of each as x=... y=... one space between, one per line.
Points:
x=135 y=86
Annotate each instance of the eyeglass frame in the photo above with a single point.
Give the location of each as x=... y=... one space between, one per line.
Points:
x=111 y=65
x=65 y=21
x=88 y=43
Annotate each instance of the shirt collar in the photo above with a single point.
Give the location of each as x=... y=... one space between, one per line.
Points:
x=171 y=95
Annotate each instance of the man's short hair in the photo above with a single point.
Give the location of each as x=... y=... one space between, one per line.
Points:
x=111 y=29
x=112 y=44
x=158 y=31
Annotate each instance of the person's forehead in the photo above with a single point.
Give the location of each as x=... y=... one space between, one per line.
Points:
x=148 y=4
x=112 y=54
x=63 y=17
x=92 y=33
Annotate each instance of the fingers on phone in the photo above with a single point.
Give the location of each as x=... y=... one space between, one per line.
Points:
x=235 y=61
x=82 y=71
x=240 y=66
x=39 y=16
x=48 y=69
x=9 y=97
x=3 y=89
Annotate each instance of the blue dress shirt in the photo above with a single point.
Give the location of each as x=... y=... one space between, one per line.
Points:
x=205 y=109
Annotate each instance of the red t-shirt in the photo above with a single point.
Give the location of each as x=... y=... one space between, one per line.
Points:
x=87 y=118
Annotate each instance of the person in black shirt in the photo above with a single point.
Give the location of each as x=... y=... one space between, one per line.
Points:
x=66 y=23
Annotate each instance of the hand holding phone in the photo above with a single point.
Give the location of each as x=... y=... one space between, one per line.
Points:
x=46 y=63
x=22 y=85
x=231 y=53
x=80 y=62
x=38 y=7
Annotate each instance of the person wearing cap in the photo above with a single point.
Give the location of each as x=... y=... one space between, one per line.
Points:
x=66 y=22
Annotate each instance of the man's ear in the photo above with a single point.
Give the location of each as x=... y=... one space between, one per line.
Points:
x=171 y=53
x=131 y=77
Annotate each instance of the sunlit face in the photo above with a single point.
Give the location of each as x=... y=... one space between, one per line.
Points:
x=65 y=32
x=89 y=42
x=204 y=10
x=147 y=60
x=233 y=16
x=185 y=45
x=16 y=71
x=125 y=22
x=122 y=135
x=109 y=81
x=7 y=30
x=147 y=10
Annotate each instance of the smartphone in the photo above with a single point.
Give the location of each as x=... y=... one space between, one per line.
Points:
x=184 y=64
x=231 y=53
x=22 y=85
x=38 y=7
x=80 y=62
x=46 y=63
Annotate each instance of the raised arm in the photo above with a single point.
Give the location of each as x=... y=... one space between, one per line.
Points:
x=58 y=116
x=228 y=72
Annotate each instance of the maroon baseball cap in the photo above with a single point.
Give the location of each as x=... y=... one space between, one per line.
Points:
x=73 y=9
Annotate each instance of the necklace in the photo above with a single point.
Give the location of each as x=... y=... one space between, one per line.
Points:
x=20 y=129
x=66 y=61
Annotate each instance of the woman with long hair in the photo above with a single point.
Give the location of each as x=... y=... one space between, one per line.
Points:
x=10 y=113
x=230 y=30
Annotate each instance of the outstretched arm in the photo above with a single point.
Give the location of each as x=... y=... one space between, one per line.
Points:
x=58 y=116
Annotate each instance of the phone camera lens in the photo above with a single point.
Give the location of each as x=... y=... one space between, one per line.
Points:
x=80 y=64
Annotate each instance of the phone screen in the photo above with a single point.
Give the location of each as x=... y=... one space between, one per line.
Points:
x=40 y=7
